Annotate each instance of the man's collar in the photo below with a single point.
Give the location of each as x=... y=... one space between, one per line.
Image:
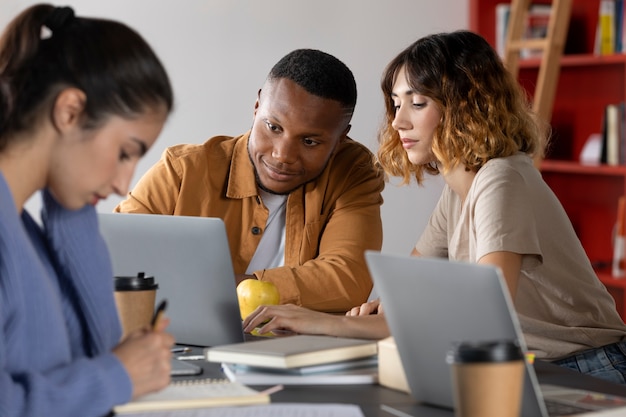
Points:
x=241 y=178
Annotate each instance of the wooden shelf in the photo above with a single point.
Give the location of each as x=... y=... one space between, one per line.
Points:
x=570 y=167
x=579 y=60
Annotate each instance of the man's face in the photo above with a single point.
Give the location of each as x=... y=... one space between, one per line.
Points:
x=293 y=136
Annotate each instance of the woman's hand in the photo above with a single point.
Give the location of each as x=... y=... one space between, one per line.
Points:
x=146 y=354
x=291 y=317
x=301 y=320
x=365 y=309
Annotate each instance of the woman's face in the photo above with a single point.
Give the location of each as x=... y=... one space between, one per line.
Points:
x=89 y=165
x=416 y=120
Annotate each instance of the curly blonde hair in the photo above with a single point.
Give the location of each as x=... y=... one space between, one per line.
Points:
x=485 y=113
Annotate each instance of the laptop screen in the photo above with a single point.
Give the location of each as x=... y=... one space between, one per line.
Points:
x=189 y=258
x=432 y=304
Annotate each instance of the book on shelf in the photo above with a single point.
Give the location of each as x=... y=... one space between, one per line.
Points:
x=610 y=31
x=357 y=371
x=195 y=393
x=612 y=134
x=292 y=351
x=503 y=10
x=619 y=25
x=605 y=31
x=535 y=26
x=613 y=150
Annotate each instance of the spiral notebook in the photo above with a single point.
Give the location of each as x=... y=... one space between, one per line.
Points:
x=196 y=393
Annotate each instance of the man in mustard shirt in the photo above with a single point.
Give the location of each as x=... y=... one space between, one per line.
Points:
x=299 y=198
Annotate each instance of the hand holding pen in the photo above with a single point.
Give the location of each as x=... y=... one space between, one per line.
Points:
x=146 y=355
x=157 y=323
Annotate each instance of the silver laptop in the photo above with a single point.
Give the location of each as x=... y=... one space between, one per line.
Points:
x=431 y=304
x=189 y=258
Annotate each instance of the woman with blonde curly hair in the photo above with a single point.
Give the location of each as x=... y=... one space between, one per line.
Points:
x=453 y=109
x=484 y=111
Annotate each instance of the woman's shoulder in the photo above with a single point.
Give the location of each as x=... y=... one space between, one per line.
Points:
x=519 y=160
x=512 y=175
x=520 y=165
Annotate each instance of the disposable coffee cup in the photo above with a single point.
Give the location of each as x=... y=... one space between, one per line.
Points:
x=487 y=379
x=135 y=298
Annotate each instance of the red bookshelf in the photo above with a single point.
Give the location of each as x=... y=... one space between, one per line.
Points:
x=587 y=83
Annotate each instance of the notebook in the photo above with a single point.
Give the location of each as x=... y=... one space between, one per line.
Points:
x=189 y=258
x=197 y=393
x=293 y=351
x=431 y=304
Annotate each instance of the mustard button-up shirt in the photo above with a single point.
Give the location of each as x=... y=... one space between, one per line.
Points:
x=330 y=221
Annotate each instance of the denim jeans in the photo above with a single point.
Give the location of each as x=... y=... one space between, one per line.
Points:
x=606 y=362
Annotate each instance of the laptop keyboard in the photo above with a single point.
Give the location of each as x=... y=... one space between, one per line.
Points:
x=556 y=408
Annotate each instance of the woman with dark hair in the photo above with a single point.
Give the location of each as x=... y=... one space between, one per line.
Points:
x=81 y=100
x=453 y=109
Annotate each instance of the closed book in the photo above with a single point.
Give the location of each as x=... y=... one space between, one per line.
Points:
x=200 y=393
x=292 y=351
x=612 y=115
x=619 y=25
x=614 y=134
x=358 y=371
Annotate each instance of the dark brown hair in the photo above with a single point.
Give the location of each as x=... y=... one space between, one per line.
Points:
x=46 y=48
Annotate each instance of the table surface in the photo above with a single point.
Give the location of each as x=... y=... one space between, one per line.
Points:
x=374 y=400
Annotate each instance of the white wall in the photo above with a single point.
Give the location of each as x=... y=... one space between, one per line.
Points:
x=218 y=53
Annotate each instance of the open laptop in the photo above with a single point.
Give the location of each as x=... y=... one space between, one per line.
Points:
x=431 y=304
x=189 y=258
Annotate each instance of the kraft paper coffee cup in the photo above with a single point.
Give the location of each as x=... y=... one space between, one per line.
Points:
x=487 y=379
x=135 y=298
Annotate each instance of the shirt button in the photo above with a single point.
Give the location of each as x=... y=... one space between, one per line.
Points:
x=256 y=230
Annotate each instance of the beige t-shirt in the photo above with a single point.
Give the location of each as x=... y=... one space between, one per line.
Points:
x=562 y=306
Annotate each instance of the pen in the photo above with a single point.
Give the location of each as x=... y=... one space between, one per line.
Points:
x=273 y=389
x=191 y=358
x=158 y=313
x=184 y=349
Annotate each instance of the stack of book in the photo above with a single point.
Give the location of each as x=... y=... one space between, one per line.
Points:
x=299 y=360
